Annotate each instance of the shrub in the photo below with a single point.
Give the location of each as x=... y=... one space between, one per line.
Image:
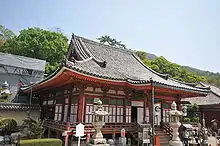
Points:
x=195 y=119
x=34 y=127
x=8 y=125
x=186 y=119
x=41 y=142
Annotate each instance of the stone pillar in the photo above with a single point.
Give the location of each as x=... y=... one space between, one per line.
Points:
x=175 y=124
x=81 y=105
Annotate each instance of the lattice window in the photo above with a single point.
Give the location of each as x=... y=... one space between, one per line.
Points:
x=112 y=114
x=147 y=117
x=73 y=112
x=89 y=116
x=120 y=114
x=166 y=117
x=128 y=114
x=106 y=118
x=58 y=112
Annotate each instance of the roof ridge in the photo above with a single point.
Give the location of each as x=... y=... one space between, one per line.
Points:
x=109 y=46
x=22 y=56
x=211 y=86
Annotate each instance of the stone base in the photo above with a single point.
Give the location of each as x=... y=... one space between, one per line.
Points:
x=98 y=142
x=175 y=143
x=98 y=145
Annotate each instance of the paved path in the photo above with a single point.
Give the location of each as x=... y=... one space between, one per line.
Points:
x=213 y=141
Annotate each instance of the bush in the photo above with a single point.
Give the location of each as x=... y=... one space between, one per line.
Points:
x=8 y=125
x=186 y=119
x=35 y=128
x=195 y=119
x=41 y=142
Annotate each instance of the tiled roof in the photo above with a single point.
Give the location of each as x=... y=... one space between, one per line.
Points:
x=212 y=98
x=22 y=62
x=19 y=106
x=104 y=61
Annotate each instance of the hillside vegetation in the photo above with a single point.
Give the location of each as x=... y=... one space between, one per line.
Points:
x=182 y=73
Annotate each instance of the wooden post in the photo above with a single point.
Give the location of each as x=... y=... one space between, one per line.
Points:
x=145 y=106
x=161 y=110
x=69 y=105
x=150 y=106
x=124 y=109
x=63 y=106
x=48 y=133
x=81 y=105
x=178 y=102
x=57 y=134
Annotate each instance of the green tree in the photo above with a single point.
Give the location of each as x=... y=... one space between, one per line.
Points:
x=5 y=33
x=162 y=65
x=141 y=54
x=111 y=41
x=34 y=128
x=192 y=113
x=40 y=44
x=8 y=125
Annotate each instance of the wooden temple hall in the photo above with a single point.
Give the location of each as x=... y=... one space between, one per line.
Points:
x=131 y=92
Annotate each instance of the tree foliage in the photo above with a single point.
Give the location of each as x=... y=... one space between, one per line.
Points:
x=192 y=113
x=111 y=41
x=5 y=33
x=34 y=128
x=8 y=125
x=40 y=44
x=161 y=65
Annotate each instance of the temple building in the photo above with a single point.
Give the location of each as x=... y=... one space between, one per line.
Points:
x=131 y=92
x=16 y=71
x=209 y=106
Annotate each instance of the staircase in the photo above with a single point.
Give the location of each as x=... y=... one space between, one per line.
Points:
x=164 y=137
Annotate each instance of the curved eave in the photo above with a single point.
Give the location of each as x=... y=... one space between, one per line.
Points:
x=64 y=75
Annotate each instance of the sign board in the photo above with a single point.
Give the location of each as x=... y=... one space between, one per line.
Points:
x=122 y=132
x=146 y=141
x=79 y=130
x=137 y=103
x=64 y=133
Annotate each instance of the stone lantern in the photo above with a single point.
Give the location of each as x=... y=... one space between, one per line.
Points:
x=175 y=124
x=204 y=132
x=99 y=113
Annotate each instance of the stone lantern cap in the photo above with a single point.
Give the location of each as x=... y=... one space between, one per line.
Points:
x=174 y=111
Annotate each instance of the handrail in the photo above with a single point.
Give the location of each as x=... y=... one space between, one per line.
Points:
x=88 y=126
x=167 y=128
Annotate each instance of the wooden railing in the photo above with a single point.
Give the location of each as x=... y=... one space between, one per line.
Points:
x=56 y=125
x=62 y=126
x=166 y=127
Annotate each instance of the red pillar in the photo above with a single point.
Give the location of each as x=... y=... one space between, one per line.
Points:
x=81 y=105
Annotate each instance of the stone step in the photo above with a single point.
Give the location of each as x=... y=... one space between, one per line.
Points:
x=164 y=137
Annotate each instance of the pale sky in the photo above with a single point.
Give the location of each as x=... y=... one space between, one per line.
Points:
x=186 y=32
